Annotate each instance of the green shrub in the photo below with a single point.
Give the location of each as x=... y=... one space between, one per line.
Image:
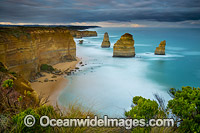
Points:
x=186 y=106
x=143 y=108
x=18 y=121
x=8 y=83
x=46 y=68
x=46 y=110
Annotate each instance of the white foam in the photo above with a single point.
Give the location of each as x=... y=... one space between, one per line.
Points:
x=175 y=48
x=142 y=45
x=152 y=55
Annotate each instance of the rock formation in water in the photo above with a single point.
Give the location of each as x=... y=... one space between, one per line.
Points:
x=161 y=49
x=24 y=49
x=80 y=34
x=80 y=41
x=124 y=47
x=106 y=42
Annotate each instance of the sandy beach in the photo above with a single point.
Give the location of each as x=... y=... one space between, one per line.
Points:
x=55 y=83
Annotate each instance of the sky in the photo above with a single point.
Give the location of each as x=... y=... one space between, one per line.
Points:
x=105 y=13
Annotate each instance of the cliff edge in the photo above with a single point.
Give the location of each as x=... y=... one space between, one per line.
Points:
x=80 y=34
x=24 y=49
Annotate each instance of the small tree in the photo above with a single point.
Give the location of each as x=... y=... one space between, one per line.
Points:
x=144 y=109
x=186 y=106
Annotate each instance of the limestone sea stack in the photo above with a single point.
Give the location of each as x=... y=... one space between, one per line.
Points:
x=124 y=47
x=80 y=42
x=160 y=50
x=106 y=42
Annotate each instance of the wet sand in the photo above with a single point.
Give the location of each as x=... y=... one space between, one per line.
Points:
x=54 y=85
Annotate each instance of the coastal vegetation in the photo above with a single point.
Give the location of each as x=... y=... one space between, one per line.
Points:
x=15 y=104
x=46 y=68
x=184 y=108
x=186 y=116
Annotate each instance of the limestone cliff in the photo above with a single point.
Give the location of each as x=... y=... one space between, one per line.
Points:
x=161 y=49
x=24 y=49
x=106 y=42
x=124 y=47
x=80 y=34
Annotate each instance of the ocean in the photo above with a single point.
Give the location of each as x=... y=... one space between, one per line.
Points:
x=106 y=85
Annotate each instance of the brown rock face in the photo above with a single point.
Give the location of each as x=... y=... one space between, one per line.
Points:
x=80 y=34
x=23 y=50
x=124 y=47
x=161 y=49
x=106 y=42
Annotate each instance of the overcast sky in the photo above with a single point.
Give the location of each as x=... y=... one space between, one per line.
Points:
x=132 y=13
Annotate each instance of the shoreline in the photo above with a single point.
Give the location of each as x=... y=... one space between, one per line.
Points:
x=54 y=85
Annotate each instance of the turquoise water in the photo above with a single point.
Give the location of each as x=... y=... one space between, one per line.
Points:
x=107 y=85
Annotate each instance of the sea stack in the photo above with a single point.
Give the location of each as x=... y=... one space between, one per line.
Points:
x=160 y=50
x=80 y=41
x=124 y=47
x=106 y=42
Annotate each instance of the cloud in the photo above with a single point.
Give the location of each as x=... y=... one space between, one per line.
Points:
x=102 y=24
x=110 y=24
x=67 y=11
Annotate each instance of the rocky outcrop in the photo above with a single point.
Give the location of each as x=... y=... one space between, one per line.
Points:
x=124 y=47
x=80 y=41
x=80 y=34
x=106 y=42
x=161 y=49
x=23 y=50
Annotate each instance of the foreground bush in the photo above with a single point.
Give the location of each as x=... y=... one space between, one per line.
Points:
x=46 y=68
x=186 y=107
x=18 y=121
x=144 y=109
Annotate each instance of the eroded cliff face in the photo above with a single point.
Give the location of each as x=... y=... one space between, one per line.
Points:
x=80 y=34
x=160 y=50
x=124 y=47
x=23 y=50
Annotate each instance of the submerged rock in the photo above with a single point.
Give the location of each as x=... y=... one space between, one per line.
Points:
x=106 y=42
x=80 y=41
x=160 y=50
x=46 y=80
x=124 y=47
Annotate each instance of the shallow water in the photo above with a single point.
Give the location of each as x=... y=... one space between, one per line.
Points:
x=107 y=84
